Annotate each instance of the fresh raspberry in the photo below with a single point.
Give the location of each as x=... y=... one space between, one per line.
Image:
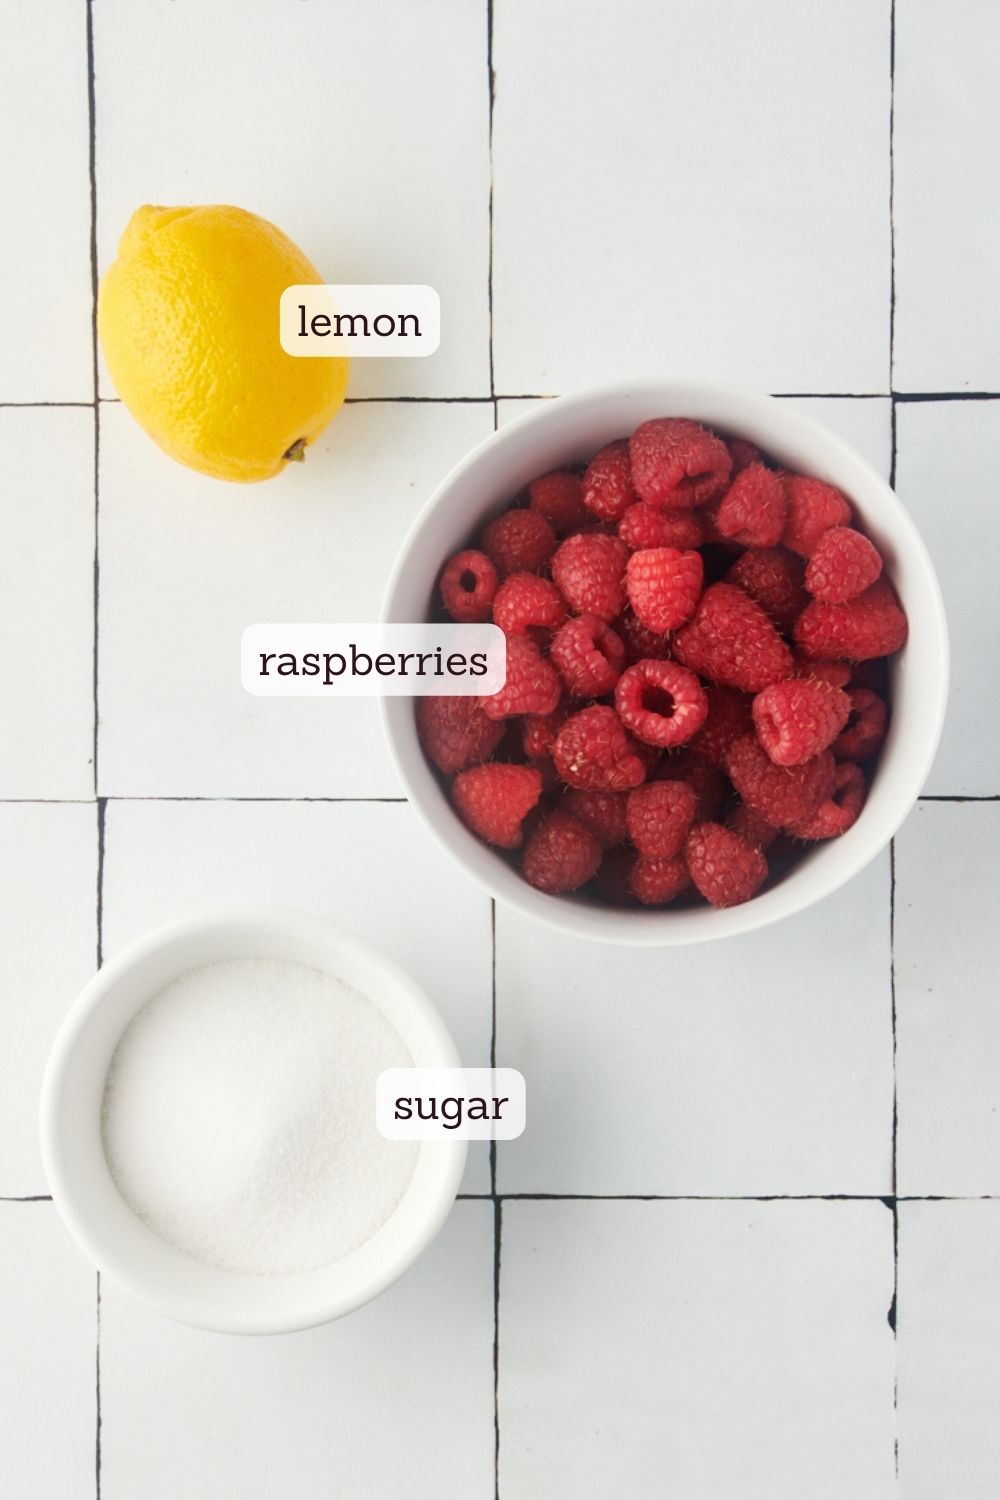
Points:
x=519 y=541
x=813 y=507
x=607 y=484
x=662 y=703
x=836 y=673
x=593 y=750
x=664 y=586
x=871 y=625
x=753 y=508
x=786 y=796
x=751 y=826
x=640 y=644
x=645 y=526
x=841 y=809
x=538 y=733
x=614 y=875
x=732 y=642
x=494 y=800
x=799 y=718
x=728 y=720
x=602 y=812
x=659 y=815
x=776 y=580
x=532 y=685
x=468 y=584
x=524 y=602
x=560 y=854
x=843 y=564
x=589 y=570
x=709 y=784
x=590 y=656
x=656 y=881
x=456 y=733
x=558 y=498
x=726 y=868
x=678 y=464
x=865 y=730
x=743 y=454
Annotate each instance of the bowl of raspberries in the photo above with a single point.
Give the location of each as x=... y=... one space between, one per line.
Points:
x=727 y=663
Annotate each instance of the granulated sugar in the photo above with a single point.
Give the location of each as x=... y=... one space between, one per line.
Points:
x=239 y=1117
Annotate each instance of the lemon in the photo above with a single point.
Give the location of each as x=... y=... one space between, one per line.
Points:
x=188 y=321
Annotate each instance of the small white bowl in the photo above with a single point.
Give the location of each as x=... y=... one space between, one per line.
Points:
x=118 y=1242
x=571 y=429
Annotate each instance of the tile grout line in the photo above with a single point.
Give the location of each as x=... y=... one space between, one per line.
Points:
x=894 y=1205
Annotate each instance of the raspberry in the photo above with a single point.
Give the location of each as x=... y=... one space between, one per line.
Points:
x=662 y=703
x=751 y=826
x=607 y=484
x=519 y=541
x=709 y=784
x=589 y=655
x=841 y=809
x=843 y=564
x=456 y=733
x=797 y=719
x=602 y=812
x=753 y=508
x=785 y=795
x=532 y=685
x=659 y=815
x=592 y=750
x=525 y=601
x=494 y=800
x=614 y=875
x=538 y=732
x=589 y=570
x=644 y=526
x=561 y=854
x=836 y=673
x=775 y=579
x=743 y=454
x=870 y=625
x=664 y=586
x=813 y=507
x=468 y=584
x=865 y=729
x=640 y=644
x=678 y=464
x=726 y=868
x=656 y=881
x=728 y=720
x=732 y=642
x=558 y=498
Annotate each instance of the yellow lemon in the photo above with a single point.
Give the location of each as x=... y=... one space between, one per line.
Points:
x=188 y=321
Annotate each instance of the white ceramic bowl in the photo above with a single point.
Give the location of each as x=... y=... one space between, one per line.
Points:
x=571 y=429
x=106 y=1228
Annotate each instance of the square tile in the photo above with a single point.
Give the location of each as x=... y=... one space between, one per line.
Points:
x=949 y=1350
x=397 y=1398
x=47 y=602
x=48 y=951
x=696 y=1350
x=945 y=475
x=701 y=188
x=361 y=129
x=759 y=1065
x=48 y=1331
x=947 y=952
x=946 y=199
x=370 y=867
x=46 y=300
x=187 y=563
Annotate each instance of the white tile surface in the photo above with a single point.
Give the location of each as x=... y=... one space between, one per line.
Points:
x=697 y=188
x=947 y=951
x=370 y=867
x=46 y=353
x=47 y=602
x=395 y=1399
x=759 y=1065
x=187 y=563
x=946 y=477
x=48 y=950
x=949 y=1350
x=361 y=128
x=697 y=1350
x=947 y=197
x=48 y=1335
